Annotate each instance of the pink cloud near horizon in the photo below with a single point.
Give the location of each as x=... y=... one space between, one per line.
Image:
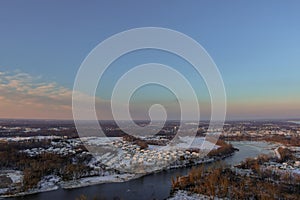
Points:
x=25 y=96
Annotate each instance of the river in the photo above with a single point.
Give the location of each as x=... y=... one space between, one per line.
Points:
x=153 y=186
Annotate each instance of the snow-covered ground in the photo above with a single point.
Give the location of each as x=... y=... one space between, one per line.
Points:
x=64 y=147
x=48 y=183
x=115 y=155
x=83 y=182
x=99 y=141
x=188 y=142
x=184 y=195
x=129 y=158
x=3 y=190
x=19 y=139
x=16 y=178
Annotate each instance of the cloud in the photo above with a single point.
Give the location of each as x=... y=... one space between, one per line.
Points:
x=25 y=96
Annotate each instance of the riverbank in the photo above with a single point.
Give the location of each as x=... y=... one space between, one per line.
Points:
x=182 y=194
x=267 y=176
x=117 y=178
x=84 y=182
x=151 y=186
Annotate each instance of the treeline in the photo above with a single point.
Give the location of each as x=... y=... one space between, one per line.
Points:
x=254 y=163
x=51 y=164
x=70 y=133
x=290 y=141
x=223 y=150
x=129 y=138
x=21 y=145
x=262 y=172
x=285 y=154
x=285 y=140
x=34 y=168
x=222 y=182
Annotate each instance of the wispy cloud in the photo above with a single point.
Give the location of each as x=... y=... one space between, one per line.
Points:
x=25 y=96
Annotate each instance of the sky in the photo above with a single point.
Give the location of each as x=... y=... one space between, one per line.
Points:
x=255 y=45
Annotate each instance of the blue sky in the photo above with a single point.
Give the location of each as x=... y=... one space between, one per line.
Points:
x=255 y=44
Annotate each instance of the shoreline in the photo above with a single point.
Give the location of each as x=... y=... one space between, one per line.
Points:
x=33 y=191
x=97 y=180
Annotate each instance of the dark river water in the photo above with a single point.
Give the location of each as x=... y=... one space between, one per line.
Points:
x=154 y=186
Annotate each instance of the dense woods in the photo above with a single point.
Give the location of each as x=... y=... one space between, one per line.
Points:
x=285 y=154
x=224 y=149
x=223 y=182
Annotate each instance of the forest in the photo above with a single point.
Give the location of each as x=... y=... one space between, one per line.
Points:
x=223 y=182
